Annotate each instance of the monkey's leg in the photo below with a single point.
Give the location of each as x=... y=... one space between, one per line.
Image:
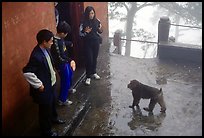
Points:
x=135 y=103
x=162 y=104
x=151 y=105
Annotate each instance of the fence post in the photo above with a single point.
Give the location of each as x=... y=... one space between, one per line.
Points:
x=117 y=41
x=163 y=29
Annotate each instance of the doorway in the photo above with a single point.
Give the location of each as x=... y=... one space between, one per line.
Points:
x=72 y=12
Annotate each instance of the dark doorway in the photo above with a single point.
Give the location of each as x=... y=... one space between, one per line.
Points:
x=64 y=15
x=72 y=12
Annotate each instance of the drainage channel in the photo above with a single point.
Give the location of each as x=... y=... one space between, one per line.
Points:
x=80 y=113
x=77 y=118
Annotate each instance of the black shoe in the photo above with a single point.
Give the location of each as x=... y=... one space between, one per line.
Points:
x=50 y=133
x=59 y=121
x=54 y=134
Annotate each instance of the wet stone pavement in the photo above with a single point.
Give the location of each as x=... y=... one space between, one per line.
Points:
x=109 y=114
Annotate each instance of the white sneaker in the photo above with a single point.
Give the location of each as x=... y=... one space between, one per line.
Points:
x=96 y=76
x=72 y=90
x=67 y=102
x=88 y=81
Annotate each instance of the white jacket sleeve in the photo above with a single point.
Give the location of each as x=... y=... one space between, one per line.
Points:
x=33 y=80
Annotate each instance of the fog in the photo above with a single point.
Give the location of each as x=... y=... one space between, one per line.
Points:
x=144 y=20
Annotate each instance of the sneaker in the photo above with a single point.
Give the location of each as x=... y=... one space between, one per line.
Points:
x=72 y=90
x=96 y=76
x=67 y=102
x=88 y=81
x=60 y=103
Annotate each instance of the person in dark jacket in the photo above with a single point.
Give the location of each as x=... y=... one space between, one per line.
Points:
x=40 y=74
x=90 y=30
x=57 y=18
x=64 y=64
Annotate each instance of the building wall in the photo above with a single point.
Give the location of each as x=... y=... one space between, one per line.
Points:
x=101 y=9
x=20 y=23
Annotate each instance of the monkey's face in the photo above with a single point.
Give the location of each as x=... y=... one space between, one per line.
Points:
x=133 y=84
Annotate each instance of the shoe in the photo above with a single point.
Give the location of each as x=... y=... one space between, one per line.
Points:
x=88 y=81
x=96 y=76
x=67 y=102
x=59 y=121
x=54 y=134
x=50 y=133
x=72 y=90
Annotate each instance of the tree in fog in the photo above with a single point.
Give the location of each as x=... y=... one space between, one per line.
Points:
x=190 y=11
x=132 y=8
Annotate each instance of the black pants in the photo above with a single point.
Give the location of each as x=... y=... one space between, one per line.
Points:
x=47 y=113
x=91 y=55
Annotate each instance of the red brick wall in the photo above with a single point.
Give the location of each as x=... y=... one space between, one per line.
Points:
x=101 y=9
x=20 y=23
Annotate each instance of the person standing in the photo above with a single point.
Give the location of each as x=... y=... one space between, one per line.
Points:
x=90 y=30
x=57 y=18
x=64 y=64
x=40 y=74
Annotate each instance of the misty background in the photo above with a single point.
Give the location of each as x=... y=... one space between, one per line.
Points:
x=139 y=21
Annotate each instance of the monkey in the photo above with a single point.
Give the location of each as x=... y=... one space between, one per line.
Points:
x=143 y=91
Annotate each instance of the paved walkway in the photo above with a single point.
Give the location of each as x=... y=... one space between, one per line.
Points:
x=182 y=87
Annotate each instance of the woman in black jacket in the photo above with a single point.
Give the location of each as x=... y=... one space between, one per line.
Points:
x=90 y=30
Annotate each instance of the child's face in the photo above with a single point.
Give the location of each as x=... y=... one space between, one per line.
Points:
x=91 y=14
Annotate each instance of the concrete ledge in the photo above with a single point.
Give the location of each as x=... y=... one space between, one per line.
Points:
x=73 y=114
x=180 y=53
x=76 y=119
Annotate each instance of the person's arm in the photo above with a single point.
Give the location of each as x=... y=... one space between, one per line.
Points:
x=58 y=52
x=68 y=43
x=100 y=29
x=84 y=32
x=29 y=73
x=81 y=31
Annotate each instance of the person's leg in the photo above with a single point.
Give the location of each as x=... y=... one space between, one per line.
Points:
x=95 y=51
x=45 y=119
x=88 y=58
x=64 y=84
x=53 y=104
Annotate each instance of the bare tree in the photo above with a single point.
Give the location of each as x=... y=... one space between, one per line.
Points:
x=190 y=11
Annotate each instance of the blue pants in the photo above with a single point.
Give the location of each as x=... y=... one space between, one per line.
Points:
x=65 y=83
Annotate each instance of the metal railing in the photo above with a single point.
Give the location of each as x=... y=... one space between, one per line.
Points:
x=186 y=26
x=163 y=33
x=136 y=40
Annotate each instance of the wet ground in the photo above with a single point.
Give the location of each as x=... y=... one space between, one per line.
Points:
x=101 y=109
x=110 y=115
